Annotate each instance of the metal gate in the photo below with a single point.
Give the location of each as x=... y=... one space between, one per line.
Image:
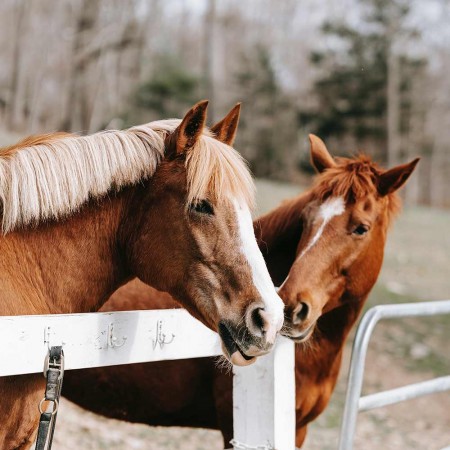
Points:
x=354 y=403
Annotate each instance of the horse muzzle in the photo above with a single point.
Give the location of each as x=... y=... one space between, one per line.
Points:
x=240 y=347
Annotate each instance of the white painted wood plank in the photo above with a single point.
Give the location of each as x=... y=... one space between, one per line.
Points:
x=284 y=387
x=264 y=401
x=140 y=336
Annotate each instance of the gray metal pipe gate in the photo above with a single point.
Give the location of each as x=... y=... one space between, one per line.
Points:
x=354 y=403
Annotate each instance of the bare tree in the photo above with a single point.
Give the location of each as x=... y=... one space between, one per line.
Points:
x=208 y=55
x=15 y=97
x=77 y=112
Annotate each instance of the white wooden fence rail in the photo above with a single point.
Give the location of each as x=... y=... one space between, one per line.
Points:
x=264 y=393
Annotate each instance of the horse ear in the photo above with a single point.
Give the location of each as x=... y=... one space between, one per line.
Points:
x=225 y=130
x=320 y=157
x=394 y=178
x=191 y=127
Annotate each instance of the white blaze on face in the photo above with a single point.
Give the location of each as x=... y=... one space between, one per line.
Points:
x=334 y=206
x=273 y=305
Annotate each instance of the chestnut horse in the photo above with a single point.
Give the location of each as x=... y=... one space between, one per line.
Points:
x=166 y=202
x=326 y=249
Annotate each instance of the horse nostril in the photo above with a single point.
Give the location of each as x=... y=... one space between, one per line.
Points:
x=300 y=313
x=257 y=320
x=260 y=324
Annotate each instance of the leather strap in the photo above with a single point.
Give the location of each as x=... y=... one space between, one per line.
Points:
x=44 y=425
x=51 y=390
x=54 y=372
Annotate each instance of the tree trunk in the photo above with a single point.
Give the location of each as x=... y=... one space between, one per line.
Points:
x=208 y=52
x=77 y=115
x=15 y=100
x=393 y=108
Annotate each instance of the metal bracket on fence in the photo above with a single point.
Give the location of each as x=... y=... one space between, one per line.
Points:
x=112 y=339
x=354 y=402
x=160 y=336
x=47 y=336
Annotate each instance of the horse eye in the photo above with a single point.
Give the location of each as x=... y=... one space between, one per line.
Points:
x=202 y=207
x=361 y=230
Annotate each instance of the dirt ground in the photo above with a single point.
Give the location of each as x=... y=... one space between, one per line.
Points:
x=416 y=268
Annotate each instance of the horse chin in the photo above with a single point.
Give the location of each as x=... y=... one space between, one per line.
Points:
x=298 y=337
x=239 y=359
x=231 y=349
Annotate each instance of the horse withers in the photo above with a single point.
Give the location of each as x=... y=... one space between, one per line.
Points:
x=166 y=202
x=325 y=248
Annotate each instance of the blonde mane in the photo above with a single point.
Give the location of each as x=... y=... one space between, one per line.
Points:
x=52 y=176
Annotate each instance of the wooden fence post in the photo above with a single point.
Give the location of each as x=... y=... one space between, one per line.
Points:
x=264 y=401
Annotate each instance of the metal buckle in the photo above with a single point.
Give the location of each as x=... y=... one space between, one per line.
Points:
x=54 y=364
x=55 y=405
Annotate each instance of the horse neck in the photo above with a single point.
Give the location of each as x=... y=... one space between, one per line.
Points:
x=324 y=349
x=278 y=234
x=61 y=267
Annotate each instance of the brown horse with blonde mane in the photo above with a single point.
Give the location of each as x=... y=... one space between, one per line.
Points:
x=166 y=202
x=325 y=248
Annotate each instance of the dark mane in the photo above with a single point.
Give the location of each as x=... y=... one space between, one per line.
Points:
x=353 y=179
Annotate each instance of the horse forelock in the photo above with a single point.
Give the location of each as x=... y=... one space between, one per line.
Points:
x=354 y=179
x=216 y=170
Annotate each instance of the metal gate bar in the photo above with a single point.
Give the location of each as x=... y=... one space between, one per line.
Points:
x=353 y=402
x=403 y=393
